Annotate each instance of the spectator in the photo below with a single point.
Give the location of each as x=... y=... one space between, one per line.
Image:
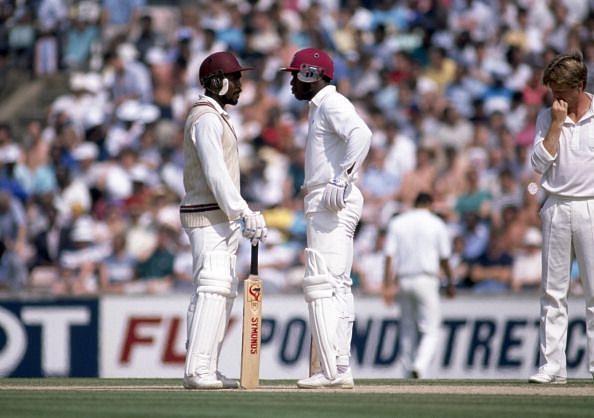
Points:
x=491 y=272
x=81 y=36
x=474 y=199
x=156 y=271
x=365 y=267
x=527 y=266
x=118 y=270
x=131 y=79
x=13 y=244
x=79 y=265
x=497 y=49
x=118 y=16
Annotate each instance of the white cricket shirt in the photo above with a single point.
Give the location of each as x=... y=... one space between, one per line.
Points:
x=337 y=139
x=570 y=173
x=206 y=136
x=417 y=240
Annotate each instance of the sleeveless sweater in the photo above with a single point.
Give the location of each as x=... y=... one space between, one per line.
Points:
x=199 y=207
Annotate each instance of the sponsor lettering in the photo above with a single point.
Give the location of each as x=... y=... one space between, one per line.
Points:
x=148 y=332
x=39 y=340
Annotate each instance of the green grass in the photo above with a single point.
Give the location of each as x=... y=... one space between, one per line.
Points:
x=65 y=398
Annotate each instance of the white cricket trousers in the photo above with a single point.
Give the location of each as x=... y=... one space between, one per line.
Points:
x=567 y=229
x=420 y=311
x=331 y=234
x=219 y=237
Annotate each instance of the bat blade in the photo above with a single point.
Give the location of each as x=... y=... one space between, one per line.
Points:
x=252 y=324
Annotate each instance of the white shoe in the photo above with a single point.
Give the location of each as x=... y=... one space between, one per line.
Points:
x=318 y=380
x=228 y=383
x=541 y=377
x=202 y=382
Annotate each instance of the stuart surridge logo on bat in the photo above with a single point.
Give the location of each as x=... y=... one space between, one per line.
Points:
x=255 y=292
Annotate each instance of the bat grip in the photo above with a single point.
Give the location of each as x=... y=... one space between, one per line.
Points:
x=254 y=263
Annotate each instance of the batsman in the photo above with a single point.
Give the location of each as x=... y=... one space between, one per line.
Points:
x=337 y=142
x=214 y=216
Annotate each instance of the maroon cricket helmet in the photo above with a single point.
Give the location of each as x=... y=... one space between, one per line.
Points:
x=220 y=63
x=311 y=64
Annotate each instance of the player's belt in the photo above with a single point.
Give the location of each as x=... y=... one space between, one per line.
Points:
x=207 y=207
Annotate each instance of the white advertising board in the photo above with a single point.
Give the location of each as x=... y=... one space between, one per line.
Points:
x=481 y=337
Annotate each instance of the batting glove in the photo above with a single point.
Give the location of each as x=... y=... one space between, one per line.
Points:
x=334 y=195
x=253 y=227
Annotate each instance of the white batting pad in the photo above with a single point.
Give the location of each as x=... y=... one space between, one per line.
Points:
x=322 y=320
x=221 y=335
x=216 y=275
x=190 y=316
x=345 y=306
x=317 y=282
x=205 y=329
x=319 y=291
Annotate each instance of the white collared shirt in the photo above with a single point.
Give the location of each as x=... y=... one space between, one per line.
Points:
x=417 y=240
x=337 y=140
x=570 y=173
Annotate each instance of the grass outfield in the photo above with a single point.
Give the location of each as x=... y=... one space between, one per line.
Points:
x=82 y=398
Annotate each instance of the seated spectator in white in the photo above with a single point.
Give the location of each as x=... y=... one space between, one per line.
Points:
x=527 y=266
x=132 y=120
x=80 y=265
x=73 y=197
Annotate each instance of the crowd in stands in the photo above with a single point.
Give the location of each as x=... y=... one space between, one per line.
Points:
x=89 y=195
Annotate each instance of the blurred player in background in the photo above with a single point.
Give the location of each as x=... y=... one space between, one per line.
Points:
x=417 y=247
x=564 y=154
x=338 y=141
x=213 y=214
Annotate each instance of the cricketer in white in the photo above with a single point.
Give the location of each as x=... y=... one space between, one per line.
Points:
x=564 y=154
x=417 y=250
x=338 y=141
x=213 y=215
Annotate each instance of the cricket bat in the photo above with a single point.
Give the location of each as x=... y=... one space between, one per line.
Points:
x=252 y=324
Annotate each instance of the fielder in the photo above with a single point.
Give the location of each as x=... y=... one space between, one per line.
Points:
x=564 y=154
x=417 y=247
x=337 y=143
x=213 y=214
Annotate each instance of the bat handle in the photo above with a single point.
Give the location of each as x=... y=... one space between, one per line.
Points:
x=254 y=263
